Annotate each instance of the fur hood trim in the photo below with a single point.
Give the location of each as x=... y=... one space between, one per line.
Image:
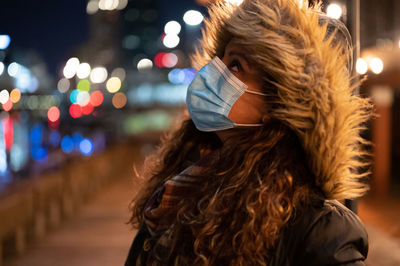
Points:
x=304 y=61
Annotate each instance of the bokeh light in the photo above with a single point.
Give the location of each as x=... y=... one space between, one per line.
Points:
x=96 y=98
x=83 y=98
x=67 y=144
x=39 y=154
x=73 y=97
x=166 y=60
x=171 y=40
x=108 y=4
x=113 y=84
x=13 y=69
x=376 y=65
x=4 y=41
x=53 y=114
x=181 y=76
x=119 y=100
x=1 y=68
x=63 y=85
x=75 y=110
x=83 y=71
x=8 y=105
x=144 y=65
x=170 y=60
x=334 y=11
x=36 y=134
x=92 y=7
x=119 y=73
x=15 y=95
x=131 y=42
x=172 y=27
x=71 y=67
x=8 y=132
x=83 y=85
x=361 y=66
x=86 y=146
x=4 y=96
x=122 y=4
x=193 y=17
x=54 y=138
x=98 y=75
x=87 y=109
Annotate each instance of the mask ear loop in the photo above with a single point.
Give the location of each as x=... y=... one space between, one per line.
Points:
x=256 y=92
x=252 y=125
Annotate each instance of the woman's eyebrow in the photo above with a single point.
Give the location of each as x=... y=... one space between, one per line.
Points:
x=240 y=54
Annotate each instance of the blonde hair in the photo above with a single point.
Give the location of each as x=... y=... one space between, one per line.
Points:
x=304 y=55
x=307 y=150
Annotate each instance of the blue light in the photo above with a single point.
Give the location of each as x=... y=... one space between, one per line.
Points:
x=67 y=144
x=86 y=146
x=190 y=73
x=176 y=76
x=39 y=154
x=4 y=41
x=36 y=135
x=54 y=138
x=76 y=138
x=74 y=96
x=1 y=68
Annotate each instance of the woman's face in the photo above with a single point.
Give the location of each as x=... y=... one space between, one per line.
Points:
x=249 y=108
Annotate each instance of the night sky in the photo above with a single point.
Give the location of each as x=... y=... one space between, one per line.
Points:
x=53 y=28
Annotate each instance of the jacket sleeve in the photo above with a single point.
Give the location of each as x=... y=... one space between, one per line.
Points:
x=336 y=237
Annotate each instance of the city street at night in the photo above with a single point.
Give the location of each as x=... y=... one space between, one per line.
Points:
x=223 y=117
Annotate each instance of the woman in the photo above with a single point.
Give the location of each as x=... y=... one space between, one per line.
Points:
x=253 y=177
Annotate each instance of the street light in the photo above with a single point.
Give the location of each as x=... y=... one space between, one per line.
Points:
x=193 y=17
x=376 y=65
x=172 y=27
x=4 y=41
x=334 y=11
x=361 y=66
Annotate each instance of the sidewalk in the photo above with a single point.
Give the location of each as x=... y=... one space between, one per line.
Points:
x=381 y=217
x=96 y=236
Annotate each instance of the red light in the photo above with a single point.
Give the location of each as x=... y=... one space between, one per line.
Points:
x=8 y=105
x=96 y=98
x=54 y=125
x=170 y=60
x=53 y=114
x=8 y=133
x=75 y=110
x=87 y=109
x=159 y=59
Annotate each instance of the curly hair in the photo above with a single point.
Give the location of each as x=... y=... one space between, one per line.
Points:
x=241 y=203
x=307 y=149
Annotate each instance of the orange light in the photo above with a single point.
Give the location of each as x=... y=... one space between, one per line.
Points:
x=119 y=100
x=53 y=114
x=15 y=95
x=96 y=98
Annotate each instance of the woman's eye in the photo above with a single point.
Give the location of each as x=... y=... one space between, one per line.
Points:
x=235 y=66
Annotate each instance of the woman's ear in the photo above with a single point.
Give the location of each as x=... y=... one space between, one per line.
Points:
x=265 y=118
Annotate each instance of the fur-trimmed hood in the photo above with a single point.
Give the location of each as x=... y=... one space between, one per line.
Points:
x=304 y=59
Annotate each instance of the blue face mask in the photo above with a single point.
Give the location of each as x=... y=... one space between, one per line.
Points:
x=211 y=95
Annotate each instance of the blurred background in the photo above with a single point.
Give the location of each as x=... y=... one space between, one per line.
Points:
x=87 y=89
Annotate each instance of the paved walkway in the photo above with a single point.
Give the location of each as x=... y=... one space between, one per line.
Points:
x=96 y=236
x=99 y=236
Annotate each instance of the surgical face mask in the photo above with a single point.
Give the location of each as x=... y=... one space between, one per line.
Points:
x=211 y=95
